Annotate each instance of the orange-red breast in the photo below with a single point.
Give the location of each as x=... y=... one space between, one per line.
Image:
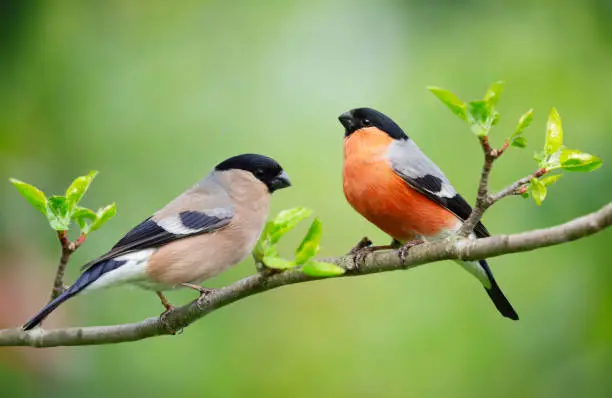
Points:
x=395 y=186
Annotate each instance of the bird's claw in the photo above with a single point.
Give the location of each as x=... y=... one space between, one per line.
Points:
x=363 y=243
x=164 y=321
x=360 y=256
x=205 y=291
x=363 y=248
x=402 y=252
x=203 y=300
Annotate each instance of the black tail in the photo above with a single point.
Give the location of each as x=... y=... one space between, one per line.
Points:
x=86 y=279
x=501 y=302
x=49 y=308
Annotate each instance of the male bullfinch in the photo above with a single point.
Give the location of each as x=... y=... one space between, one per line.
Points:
x=210 y=227
x=390 y=182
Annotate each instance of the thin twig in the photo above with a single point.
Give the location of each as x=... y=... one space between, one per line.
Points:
x=515 y=188
x=68 y=248
x=484 y=200
x=464 y=249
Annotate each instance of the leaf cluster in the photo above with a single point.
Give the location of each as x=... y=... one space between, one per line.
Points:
x=482 y=115
x=61 y=210
x=266 y=250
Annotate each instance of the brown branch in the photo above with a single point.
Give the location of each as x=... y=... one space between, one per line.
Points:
x=464 y=249
x=68 y=248
x=515 y=188
x=484 y=200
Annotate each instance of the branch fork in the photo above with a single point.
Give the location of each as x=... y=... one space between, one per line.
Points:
x=484 y=200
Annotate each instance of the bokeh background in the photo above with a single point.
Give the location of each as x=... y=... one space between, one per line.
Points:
x=154 y=94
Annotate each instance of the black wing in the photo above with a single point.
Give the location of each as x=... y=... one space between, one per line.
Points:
x=459 y=207
x=156 y=233
x=411 y=164
x=430 y=186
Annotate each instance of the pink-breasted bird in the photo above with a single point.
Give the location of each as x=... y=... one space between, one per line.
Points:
x=395 y=186
x=207 y=229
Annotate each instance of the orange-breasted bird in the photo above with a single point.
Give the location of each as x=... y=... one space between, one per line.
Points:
x=395 y=186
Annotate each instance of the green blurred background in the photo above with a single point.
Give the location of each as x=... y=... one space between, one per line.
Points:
x=154 y=95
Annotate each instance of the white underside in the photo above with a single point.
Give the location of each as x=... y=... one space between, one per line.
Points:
x=473 y=267
x=133 y=271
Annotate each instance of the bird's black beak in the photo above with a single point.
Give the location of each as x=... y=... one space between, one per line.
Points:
x=279 y=182
x=346 y=119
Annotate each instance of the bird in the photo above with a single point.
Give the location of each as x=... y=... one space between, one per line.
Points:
x=208 y=228
x=394 y=185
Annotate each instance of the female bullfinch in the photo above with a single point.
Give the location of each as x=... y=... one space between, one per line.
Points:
x=210 y=227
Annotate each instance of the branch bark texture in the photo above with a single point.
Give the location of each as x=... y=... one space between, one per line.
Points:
x=457 y=248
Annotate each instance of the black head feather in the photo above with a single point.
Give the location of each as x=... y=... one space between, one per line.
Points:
x=359 y=118
x=265 y=169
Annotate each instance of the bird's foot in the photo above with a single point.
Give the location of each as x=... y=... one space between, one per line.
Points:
x=169 y=307
x=364 y=242
x=395 y=244
x=363 y=249
x=164 y=320
x=163 y=316
x=402 y=252
x=361 y=255
x=205 y=292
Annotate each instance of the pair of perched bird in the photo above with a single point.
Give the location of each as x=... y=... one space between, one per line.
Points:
x=215 y=224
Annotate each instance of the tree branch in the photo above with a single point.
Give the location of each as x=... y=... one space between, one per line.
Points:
x=452 y=249
x=514 y=188
x=68 y=248
x=484 y=200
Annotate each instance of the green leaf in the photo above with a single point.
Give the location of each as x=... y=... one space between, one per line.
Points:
x=33 y=195
x=479 y=111
x=277 y=263
x=494 y=92
x=523 y=123
x=539 y=156
x=575 y=160
x=480 y=117
x=58 y=205
x=262 y=242
x=554 y=133
x=270 y=251
x=104 y=214
x=495 y=118
x=58 y=213
x=320 y=269
x=285 y=221
x=525 y=195
x=79 y=186
x=310 y=244
x=549 y=180
x=449 y=99
x=538 y=191
x=266 y=230
x=519 y=142
x=84 y=218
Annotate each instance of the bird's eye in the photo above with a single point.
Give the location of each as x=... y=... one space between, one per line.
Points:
x=259 y=172
x=366 y=122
